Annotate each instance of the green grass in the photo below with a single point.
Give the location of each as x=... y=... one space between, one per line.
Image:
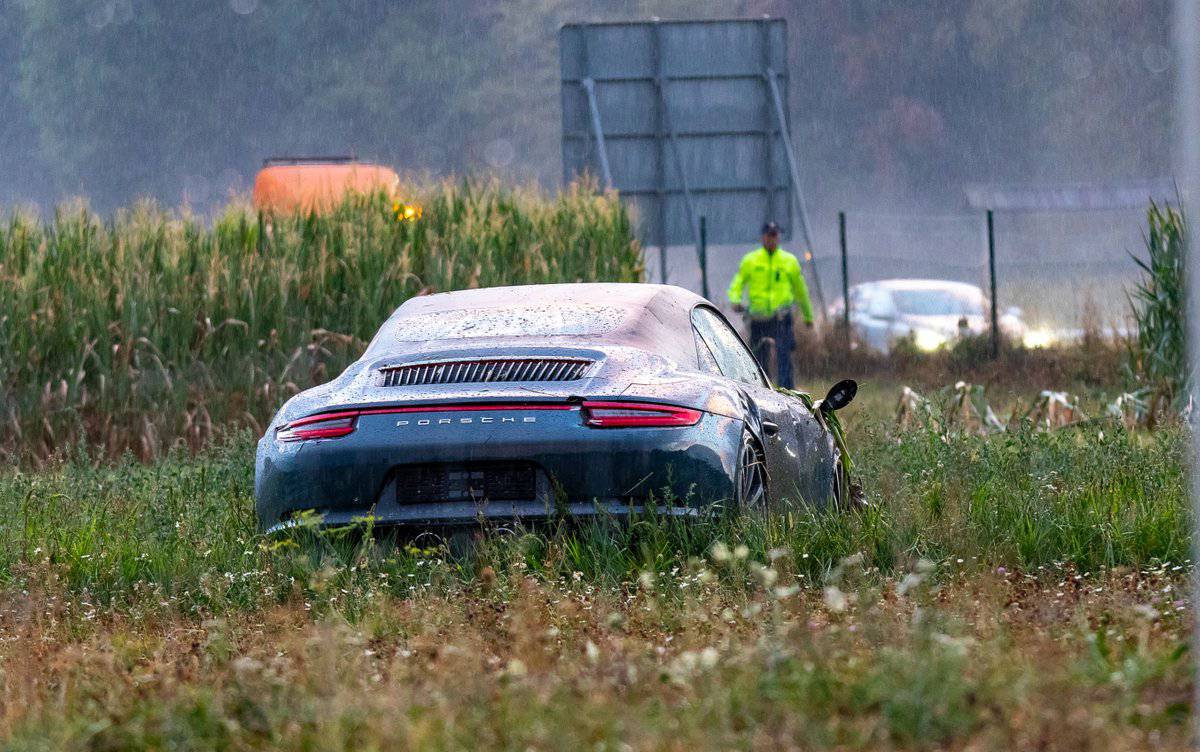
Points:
x=183 y=530
x=155 y=329
x=1017 y=591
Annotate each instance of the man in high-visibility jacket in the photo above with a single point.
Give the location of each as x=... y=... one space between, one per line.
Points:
x=772 y=279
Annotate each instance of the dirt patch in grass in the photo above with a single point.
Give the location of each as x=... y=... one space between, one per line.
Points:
x=968 y=660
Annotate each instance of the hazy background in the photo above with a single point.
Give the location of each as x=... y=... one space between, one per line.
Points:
x=898 y=100
x=896 y=105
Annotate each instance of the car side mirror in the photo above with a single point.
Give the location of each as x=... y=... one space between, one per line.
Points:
x=840 y=395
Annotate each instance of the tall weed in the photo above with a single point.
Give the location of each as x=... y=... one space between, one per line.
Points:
x=1158 y=358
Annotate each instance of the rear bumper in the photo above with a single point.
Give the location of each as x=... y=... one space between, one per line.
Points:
x=457 y=513
x=580 y=470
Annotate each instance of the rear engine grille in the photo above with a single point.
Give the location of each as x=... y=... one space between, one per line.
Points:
x=485 y=371
x=479 y=481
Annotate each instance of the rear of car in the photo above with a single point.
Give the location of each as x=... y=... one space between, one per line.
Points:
x=462 y=413
x=407 y=465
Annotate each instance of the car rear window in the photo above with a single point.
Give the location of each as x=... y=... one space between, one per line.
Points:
x=517 y=321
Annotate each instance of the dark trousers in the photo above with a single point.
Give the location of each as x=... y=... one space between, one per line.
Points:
x=779 y=329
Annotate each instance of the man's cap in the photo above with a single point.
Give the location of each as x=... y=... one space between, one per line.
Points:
x=770 y=228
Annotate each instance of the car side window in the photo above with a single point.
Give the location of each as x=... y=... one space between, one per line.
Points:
x=881 y=306
x=732 y=357
x=708 y=363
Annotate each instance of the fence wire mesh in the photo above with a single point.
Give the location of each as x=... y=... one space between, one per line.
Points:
x=1066 y=270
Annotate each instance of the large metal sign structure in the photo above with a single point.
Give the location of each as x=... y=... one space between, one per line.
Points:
x=1126 y=194
x=686 y=119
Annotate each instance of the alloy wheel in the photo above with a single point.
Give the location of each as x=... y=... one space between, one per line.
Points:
x=752 y=476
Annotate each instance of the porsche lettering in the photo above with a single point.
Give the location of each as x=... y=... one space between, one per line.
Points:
x=466 y=421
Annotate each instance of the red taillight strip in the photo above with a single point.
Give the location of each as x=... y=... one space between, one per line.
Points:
x=466 y=408
x=324 y=433
x=330 y=426
x=654 y=415
x=651 y=415
x=319 y=417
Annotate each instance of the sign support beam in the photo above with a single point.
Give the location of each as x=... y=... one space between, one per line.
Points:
x=660 y=117
x=589 y=86
x=689 y=201
x=802 y=212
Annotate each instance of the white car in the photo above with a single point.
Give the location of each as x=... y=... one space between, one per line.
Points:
x=932 y=312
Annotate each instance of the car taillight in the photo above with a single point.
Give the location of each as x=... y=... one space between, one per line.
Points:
x=637 y=415
x=328 y=426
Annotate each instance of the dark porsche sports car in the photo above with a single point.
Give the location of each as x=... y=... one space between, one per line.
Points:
x=536 y=401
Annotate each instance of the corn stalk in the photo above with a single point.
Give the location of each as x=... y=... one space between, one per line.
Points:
x=1158 y=357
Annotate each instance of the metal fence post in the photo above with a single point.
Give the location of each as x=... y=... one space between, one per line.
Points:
x=703 y=252
x=845 y=279
x=1187 y=153
x=991 y=243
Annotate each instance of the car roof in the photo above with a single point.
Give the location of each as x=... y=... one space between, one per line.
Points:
x=619 y=294
x=921 y=284
x=654 y=318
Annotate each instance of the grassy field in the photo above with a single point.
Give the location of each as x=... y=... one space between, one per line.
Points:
x=1022 y=591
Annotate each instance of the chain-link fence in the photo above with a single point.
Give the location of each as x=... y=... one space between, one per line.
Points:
x=1066 y=271
x=1069 y=269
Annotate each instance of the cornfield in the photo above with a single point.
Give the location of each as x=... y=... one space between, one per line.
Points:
x=155 y=328
x=1158 y=357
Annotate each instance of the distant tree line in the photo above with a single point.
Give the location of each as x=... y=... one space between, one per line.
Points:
x=177 y=99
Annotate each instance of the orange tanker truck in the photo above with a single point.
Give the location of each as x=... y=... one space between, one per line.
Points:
x=304 y=184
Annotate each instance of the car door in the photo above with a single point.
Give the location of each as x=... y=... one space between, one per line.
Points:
x=778 y=429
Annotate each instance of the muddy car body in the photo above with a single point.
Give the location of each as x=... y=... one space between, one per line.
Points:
x=543 y=400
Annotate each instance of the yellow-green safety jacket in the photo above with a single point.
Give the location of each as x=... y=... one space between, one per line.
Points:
x=773 y=281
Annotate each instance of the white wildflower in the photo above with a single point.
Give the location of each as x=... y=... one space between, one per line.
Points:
x=910 y=582
x=835 y=599
x=515 y=668
x=786 y=592
x=767 y=575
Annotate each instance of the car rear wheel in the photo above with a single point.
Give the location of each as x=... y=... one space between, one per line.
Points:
x=836 y=492
x=845 y=494
x=751 y=476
